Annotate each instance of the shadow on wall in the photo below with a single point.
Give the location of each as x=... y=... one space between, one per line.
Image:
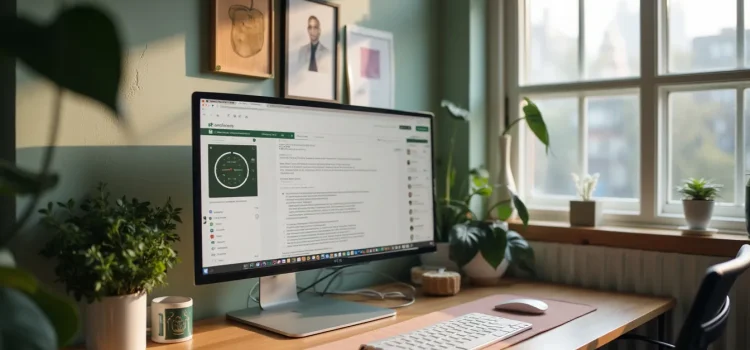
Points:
x=153 y=174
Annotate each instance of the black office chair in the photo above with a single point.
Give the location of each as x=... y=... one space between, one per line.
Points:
x=710 y=311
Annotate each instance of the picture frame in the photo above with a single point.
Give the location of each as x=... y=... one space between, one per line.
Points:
x=243 y=38
x=310 y=52
x=370 y=67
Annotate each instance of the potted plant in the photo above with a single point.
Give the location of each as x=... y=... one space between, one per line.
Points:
x=452 y=211
x=585 y=212
x=485 y=249
x=111 y=254
x=698 y=199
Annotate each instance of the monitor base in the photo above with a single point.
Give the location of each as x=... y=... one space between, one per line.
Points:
x=281 y=311
x=311 y=315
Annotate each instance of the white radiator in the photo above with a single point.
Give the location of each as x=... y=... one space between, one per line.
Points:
x=644 y=272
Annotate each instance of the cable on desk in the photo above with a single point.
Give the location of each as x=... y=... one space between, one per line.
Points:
x=339 y=273
x=373 y=293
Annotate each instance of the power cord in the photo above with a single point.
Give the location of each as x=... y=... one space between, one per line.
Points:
x=338 y=273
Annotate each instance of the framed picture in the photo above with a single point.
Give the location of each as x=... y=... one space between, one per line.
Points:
x=242 y=37
x=311 y=50
x=370 y=67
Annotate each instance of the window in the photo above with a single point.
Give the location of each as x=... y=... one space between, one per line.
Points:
x=647 y=96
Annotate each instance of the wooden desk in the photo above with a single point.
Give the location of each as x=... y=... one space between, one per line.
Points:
x=616 y=314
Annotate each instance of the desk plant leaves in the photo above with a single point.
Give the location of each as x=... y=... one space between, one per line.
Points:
x=80 y=50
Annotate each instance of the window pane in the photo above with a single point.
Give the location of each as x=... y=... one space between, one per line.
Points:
x=702 y=127
x=613 y=145
x=702 y=35
x=612 y=34
x=553 y=41
x=552 y=171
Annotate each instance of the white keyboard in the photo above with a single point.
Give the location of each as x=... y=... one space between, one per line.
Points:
x=467 y=332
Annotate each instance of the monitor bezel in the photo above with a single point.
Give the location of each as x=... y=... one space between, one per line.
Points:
x=200 y=278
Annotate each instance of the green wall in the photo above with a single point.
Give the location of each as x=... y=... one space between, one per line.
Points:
x=463 y=73
x=165 y=62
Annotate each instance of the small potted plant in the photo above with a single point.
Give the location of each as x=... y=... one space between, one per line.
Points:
x=585 y=212
x=698 y=199
x=111 y=253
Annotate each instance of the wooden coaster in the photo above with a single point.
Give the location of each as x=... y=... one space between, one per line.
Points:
x=441 y=283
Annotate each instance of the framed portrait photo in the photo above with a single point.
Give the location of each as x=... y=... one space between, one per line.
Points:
x=311 y=50
x=242 y=37
x=370 y=67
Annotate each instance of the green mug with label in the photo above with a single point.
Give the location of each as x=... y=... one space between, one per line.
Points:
x=171 y=319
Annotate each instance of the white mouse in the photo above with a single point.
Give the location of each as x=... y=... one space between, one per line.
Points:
x=527 y=306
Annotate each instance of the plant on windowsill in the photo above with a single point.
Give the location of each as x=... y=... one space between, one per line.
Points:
x=111 y=253
x=585 y=212
x=698 y=200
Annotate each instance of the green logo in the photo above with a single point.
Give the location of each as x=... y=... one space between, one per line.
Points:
x=210 y=124
x=179 y=323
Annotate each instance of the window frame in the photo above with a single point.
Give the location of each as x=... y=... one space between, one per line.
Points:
x=651 y=86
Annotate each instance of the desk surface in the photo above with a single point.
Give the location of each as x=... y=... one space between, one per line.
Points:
x=616 y=314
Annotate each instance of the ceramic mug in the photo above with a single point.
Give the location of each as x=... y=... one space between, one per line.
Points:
x=171 y=319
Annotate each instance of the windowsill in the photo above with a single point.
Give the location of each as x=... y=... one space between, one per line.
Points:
x=660 y=240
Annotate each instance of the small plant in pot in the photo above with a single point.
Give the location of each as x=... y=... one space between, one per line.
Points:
x=111 y=253
x=698 y=199
x=484 y=249
x=585 y=212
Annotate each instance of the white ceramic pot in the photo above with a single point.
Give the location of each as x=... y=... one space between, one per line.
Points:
x=480 y=272
x=698 y=213
x=440 y=258
x=117 y=323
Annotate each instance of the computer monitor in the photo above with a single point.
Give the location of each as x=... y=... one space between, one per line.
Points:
x=282 y=186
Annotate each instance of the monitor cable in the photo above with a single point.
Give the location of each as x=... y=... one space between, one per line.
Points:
x=338 y=273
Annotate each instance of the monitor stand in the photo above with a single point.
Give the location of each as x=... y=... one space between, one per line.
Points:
x=281 y=311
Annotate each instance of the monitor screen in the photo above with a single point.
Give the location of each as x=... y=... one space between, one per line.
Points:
x=289 y=186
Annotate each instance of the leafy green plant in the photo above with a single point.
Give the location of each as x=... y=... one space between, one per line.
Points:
x=452 y=211
x=110 y=248
x=699 y=190
x=494 y=242
x=79 y=50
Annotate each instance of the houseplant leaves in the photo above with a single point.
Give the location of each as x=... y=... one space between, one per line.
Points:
x=15 y=181
x=492 y=245
x=53 y=319
x=536 y=123
x=520 y=254
x=80 y=51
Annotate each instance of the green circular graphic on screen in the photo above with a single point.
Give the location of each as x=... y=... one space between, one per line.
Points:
x=231 y=170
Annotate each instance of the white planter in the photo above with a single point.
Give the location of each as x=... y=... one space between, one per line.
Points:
x=698 y=214
x=480 y=272
x=440 y=258
x=117 y=323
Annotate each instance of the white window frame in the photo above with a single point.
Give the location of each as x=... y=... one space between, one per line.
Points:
x=652 y=87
